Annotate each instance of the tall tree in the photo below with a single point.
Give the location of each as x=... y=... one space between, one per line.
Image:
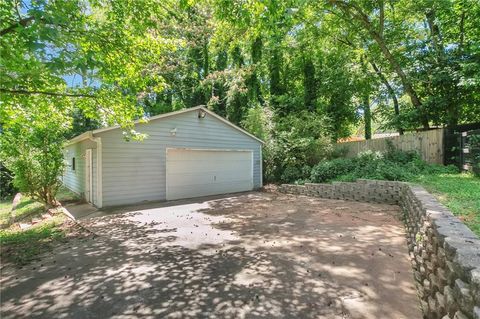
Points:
x=354 y=11
x=253 y=84
x=276 y=89
x=392 y=95
x=219 y=88
x=309 y=84
x=238 y=102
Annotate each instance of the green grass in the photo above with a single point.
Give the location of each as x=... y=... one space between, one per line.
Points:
x=65 y=195
x=28 y=207
x=459 y=192
x=22 y=246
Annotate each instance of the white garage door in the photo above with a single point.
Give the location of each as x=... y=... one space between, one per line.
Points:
x=194 y=173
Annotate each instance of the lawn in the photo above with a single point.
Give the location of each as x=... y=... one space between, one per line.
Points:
x=24 y=245
x=459 y=192
x=28 y=207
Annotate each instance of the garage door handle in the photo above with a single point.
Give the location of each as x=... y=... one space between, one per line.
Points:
x=215 y=178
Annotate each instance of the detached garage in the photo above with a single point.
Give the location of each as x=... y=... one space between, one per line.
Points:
x=188 y=153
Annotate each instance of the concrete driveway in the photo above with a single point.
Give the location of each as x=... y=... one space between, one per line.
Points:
x=251 y=255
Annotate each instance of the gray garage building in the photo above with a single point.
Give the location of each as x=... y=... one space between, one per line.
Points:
x=188 y=153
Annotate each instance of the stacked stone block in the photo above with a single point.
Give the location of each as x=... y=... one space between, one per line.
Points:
x=445 y=254
x=363 y=190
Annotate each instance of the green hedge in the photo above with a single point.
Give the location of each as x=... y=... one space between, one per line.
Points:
x=394 y=165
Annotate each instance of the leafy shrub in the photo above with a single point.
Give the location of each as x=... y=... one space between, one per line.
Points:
x=394 y=154
x=6 y=183
x=31 y=147
x=257 y=122
x=294 y=173
x=394 y=165
x=339 y=151
x=328 y=170
x=298 y=142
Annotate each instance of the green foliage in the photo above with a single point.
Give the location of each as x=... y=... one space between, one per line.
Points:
x=298 y=140
x=394 y=165
x=256 y=122
x=295 y=173
x=6 y=183
x=31 y=146
x=396 y=155
x=329 y=170
x=291 y=146
x=309 y=83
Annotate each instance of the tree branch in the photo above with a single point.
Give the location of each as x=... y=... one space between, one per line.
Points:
x=26 y=92
x=390 y=90
x=381 y=23
x=356 y=12
x=22 y=22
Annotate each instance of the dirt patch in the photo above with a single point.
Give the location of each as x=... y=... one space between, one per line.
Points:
x=253 y=255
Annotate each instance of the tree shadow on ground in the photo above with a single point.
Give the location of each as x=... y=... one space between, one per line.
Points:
x=254 y=255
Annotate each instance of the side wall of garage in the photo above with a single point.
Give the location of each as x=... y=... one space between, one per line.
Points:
x=74 y=179
x=135 y=171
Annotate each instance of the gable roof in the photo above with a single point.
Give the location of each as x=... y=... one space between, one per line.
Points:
x=90 y=134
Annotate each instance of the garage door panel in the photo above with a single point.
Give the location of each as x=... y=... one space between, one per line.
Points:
x=193 y=173
x=200 y=155
x=190 y=191
x=201 y=178
x=206 y=167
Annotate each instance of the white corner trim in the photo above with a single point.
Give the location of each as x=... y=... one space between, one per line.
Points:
x=98 y=141
x=81 y=137
x=252 y=169
x=261 y=167
x=89 y=175
x=99 y=203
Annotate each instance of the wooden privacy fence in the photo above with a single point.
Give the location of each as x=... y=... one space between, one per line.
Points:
x=428 y=144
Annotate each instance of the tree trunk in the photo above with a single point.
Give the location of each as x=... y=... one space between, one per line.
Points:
x=360 y=16
x=206 y=64
x=218 y=88
x=235 y=108
x=367 y=117
x=275 y=81
x=403 y=78
x=391 y=92
x=450 y=90
x=254 y=92
x=309 y=85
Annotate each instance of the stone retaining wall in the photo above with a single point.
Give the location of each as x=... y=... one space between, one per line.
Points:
x=445 y=254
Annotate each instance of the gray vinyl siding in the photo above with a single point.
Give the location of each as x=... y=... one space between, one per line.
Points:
x=135 y=171
x=75 y=180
